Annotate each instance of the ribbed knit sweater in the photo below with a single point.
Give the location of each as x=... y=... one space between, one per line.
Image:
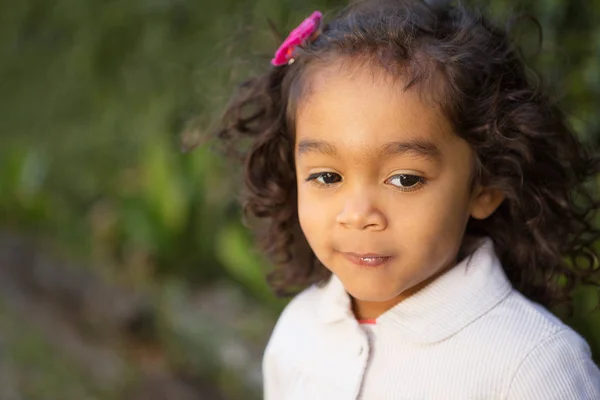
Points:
x=467 y=335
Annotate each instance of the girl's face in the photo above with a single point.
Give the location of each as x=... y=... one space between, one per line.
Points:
x=384 y=186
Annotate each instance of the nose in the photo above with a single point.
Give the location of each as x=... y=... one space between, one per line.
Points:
x=360 y=212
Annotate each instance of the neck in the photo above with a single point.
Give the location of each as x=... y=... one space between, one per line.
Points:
x=371 y=309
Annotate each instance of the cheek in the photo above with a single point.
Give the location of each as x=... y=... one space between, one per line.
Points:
x=316 y=214
x=443 y=211
x=309 y=215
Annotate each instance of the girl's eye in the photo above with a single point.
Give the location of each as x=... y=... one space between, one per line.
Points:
x=324 y=178
x=406 y=182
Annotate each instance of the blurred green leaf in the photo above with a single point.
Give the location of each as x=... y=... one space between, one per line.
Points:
x=236 y=252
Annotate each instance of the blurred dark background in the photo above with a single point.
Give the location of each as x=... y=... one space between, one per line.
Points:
x=125 y=272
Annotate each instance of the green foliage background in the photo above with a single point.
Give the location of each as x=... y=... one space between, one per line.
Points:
x=99 y=97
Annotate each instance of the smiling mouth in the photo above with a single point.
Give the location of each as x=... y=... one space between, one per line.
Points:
x=367 y=260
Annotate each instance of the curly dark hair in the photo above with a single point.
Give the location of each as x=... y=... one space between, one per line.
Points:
x=543 y=231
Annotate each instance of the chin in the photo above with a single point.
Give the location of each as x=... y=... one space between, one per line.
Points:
x=371 y=294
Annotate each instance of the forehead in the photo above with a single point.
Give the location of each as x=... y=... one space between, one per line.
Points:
x=360 y=106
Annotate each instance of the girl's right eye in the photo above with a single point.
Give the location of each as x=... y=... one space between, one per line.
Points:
x=324 y=178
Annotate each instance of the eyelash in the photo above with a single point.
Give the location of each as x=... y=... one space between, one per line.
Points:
x=420 y=181
x=313 y=179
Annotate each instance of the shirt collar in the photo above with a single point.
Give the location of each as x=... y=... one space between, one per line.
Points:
x=442 y=308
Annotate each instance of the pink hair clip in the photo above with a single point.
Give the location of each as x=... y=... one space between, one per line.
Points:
x=284 y=54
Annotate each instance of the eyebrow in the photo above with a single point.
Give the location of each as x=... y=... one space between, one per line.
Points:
x=306 y=146
x=419 y=148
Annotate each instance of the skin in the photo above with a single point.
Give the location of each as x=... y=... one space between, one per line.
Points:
x=357 y=131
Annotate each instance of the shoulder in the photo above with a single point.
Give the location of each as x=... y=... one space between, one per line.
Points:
x=549 y=359
x=559 y=367
x=531 y=324
x=296 y=319
x=525 y=321
x=300 y=312
x=293 y=336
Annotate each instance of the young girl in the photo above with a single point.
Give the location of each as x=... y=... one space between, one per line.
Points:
x=430 y=197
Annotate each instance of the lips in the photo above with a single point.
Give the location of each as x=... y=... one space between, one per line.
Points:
x=367 y=259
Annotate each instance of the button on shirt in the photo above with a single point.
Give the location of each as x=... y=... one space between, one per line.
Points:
x=467 y=335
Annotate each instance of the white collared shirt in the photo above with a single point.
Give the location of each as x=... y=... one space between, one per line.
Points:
x=467 y=335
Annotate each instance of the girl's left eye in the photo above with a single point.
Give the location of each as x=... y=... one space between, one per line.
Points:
x=406 y=182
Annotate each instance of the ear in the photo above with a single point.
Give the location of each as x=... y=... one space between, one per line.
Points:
x=485 y=201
